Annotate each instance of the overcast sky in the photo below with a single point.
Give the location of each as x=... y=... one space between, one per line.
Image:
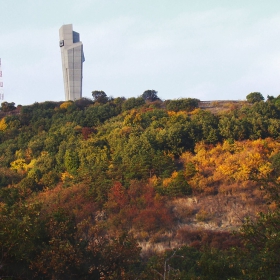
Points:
x=205 y=49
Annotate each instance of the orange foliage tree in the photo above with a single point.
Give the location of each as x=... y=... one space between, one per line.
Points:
x=235 y=164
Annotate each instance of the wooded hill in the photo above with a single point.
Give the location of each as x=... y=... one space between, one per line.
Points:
x=139 y=188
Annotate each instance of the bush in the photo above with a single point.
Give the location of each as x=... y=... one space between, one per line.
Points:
x=183 y=104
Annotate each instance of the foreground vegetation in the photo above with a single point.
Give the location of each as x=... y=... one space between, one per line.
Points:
x=139 y=188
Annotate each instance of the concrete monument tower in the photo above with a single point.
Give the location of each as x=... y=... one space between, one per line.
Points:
x=72 y=56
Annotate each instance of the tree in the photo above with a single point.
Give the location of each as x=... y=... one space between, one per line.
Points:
x=275 y=160
x=22 y=233
x=270 y=98
x=132 y=102
x=6 y=106
x=100 y=96
x=254 y=97
x=3 y=124
x=150 y=95
x=260 y=257
x=71 y=161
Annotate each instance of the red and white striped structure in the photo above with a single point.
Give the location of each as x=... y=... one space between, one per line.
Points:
x=1 y=83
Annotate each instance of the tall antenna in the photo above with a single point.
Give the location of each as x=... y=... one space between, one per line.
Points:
x=1 y=83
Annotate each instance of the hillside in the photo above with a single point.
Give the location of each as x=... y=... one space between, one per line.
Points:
x=115 y=187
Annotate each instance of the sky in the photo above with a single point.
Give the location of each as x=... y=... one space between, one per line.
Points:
x=210 y=50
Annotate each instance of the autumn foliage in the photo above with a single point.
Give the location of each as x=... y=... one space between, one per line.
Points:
x=134 y=188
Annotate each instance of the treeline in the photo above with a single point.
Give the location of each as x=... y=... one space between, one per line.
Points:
x=84 y=183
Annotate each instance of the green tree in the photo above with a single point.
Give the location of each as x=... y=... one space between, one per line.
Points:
x=204 y=127
x=260 y=259
x=150 y=95
x=179 y=186
x=275 y=160
x=22 y=232
x=100 y=96
x=71 y=161
x=132 y=102
x=254 y=97
x=6 y=106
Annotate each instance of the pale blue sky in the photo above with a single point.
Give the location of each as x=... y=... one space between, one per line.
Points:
x=220 y=49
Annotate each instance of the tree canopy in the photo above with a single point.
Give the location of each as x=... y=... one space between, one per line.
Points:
x=150 y=95
x=99 y=96
x=254 y=97
x=7 y=106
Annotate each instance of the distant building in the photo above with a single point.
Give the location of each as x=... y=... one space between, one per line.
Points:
x=72 y=56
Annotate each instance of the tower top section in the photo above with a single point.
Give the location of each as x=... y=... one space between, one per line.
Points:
x=67 y=36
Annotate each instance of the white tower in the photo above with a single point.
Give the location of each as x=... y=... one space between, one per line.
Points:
x=1 y=83
x=72 y=56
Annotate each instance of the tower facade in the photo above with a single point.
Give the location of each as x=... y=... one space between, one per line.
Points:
x=72 y=56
